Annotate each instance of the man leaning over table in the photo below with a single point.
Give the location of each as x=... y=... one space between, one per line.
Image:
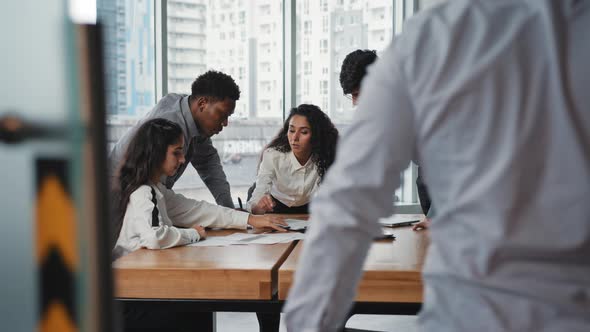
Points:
x=493 y=96
x=202 y=114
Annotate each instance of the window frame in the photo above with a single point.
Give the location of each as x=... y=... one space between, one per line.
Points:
x=402 y=9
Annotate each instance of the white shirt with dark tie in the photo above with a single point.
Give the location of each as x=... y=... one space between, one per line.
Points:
x=158 y=218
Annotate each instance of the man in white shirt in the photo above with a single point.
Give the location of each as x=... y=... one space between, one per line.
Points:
x=491 y=97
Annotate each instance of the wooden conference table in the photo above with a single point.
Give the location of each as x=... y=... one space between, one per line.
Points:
x=256 y=278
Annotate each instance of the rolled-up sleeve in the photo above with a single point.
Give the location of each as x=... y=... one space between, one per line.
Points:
x=206 y=161
x=186 y=212
x=358 y=190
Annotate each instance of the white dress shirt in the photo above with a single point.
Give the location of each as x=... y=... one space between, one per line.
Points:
x=493 y=99
x=173 y=211
x=282 y=176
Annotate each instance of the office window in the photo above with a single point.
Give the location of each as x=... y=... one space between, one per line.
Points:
x=194 y=31
x=254 y=59
x=346 y=26
x=129 y=59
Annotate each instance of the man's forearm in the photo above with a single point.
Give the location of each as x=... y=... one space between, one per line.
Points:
x=222 y=194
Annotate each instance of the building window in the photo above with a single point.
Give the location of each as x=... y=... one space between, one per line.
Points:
x=324 y=46
x=307 y=68
x=307 y=27
x=324 y=87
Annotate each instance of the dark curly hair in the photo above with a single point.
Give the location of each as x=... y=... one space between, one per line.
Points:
x=217 y=85
x=324 y=136
x=145 y=154
x=354 y=68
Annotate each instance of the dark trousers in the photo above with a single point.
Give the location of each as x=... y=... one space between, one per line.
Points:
x=282 y=208
x=140 y=319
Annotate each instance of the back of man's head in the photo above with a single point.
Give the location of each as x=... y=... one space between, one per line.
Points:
x=354 y=68
x=217 y=85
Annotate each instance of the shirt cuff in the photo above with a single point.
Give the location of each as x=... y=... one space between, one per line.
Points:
x=240 y=219
x=191 y=235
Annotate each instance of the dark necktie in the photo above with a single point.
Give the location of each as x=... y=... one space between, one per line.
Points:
x=155 y=212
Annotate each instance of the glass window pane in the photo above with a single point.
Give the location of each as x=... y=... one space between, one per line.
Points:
x=129 y=58
x=338 y=27
x=243 y=39
x=342 y=27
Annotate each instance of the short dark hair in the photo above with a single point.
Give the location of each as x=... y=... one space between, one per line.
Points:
x=354 y=68
x=217 y=85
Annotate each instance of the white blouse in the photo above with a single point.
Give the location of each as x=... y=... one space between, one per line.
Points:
x=173 y=211
x=282 y=176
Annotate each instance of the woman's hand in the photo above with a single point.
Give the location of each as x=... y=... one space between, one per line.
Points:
x=201 y=230
x=423 y=224
x=267 y=221
x=264 y=205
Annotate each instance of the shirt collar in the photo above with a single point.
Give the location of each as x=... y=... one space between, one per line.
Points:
x=295 y=163
x=158 y=189
x=193 y=130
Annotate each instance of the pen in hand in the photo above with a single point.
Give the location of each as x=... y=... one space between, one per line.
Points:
x=240 y=202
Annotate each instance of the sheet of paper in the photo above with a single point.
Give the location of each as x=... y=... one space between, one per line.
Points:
x=297 y=224
x=400 y=218
x=265 y=238
x=245 y=238
x=215 y=241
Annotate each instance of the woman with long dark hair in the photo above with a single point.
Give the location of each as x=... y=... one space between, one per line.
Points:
x=294 y=162
x=154 y=217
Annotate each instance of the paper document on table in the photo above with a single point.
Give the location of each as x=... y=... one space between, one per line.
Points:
x=215 y=241
x=399 y=220
x=246 y=238
x=297 y=224
x=266 y=238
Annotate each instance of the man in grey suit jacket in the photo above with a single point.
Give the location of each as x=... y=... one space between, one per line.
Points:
x=201 y=115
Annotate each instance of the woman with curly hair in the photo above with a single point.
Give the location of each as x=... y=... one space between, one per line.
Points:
x=294 y=162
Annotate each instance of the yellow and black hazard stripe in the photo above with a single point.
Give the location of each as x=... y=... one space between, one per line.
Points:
x=57 y=254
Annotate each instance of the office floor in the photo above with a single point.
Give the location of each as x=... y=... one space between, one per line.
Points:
x=246 y=322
